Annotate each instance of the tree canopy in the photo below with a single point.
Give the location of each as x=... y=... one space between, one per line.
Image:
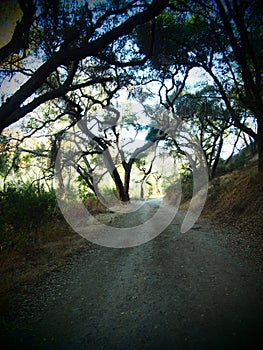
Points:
x=64 y=60
x=224 y=38
x=59 y=50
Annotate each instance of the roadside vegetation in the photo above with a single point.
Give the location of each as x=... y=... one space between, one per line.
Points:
x=34 y=236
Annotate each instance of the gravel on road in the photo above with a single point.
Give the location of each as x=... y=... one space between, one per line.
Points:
x=177 y=291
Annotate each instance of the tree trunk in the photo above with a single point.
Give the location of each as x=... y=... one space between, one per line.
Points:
x=217 y=157
x=142 y=190
x=127 y=179
x=260 y=144
x=121 y=190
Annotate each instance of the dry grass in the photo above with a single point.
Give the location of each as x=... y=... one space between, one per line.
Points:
x=21 y=267
x=237 y=199
x=29 y=262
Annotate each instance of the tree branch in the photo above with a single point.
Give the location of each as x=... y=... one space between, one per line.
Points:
x=66 y=55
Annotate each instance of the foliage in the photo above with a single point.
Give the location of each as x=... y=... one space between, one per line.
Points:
x=4 y=155
x=224 y=38
x=73 y=49
x=179 y=187
x=236 y=162
x=171 y=194
x=109 y=153
x=93 y=205
x=187 y=183
x=77 y=56
x=24 y=211
x=180 y=37
x=207 y=116
x=154 y=134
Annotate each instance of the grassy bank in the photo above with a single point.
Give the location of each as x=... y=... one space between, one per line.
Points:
x=237 y=199
x=34 y=237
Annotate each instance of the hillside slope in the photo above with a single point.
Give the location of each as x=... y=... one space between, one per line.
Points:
x=236 y=200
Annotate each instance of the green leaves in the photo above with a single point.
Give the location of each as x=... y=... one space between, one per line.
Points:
x=180 y=38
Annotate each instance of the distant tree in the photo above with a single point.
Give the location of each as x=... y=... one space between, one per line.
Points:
x=205 y=113
x=146 y=170
x=96 y=149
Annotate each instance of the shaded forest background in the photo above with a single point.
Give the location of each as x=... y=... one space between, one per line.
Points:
x=79 y=67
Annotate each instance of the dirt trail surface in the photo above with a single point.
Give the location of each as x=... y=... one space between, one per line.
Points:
x=178 y=291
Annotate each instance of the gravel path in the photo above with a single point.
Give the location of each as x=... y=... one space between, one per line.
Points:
x=178 y=291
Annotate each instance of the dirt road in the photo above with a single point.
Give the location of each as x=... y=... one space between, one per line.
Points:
x=178 y=291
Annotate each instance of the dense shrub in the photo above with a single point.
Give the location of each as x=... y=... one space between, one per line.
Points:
x=93 y=205
x=172 y=194
x=23 y=210
x=235 y=162
x=22 y=205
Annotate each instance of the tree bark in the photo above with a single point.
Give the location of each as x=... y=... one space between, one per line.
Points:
x=217 y=157
x=127 y=178
x=115 y=175
x=122 y=192
x=260 y=144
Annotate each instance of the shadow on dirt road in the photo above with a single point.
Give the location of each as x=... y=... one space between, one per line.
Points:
x=178 y=291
